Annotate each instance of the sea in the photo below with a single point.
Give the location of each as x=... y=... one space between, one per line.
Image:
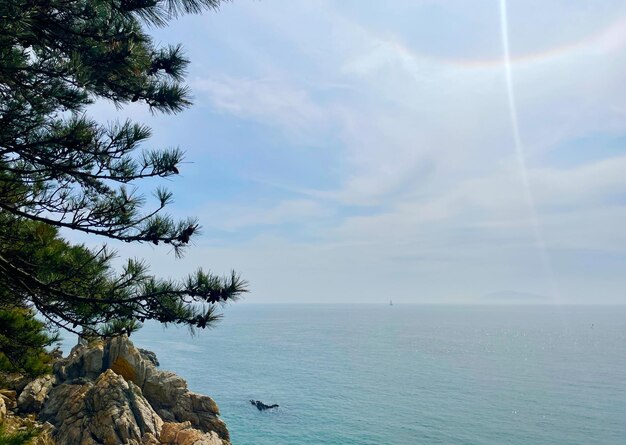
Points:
x=408 y=374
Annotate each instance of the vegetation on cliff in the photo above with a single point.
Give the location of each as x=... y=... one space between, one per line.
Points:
x=61 y=170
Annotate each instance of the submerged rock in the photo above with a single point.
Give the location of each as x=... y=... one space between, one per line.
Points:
x=262 y=406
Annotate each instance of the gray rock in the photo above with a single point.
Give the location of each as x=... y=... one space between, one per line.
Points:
x=9 y=397
x=166 y=392
x=34 y=394
x=83 y=361
x=108 y=411
x=14 y=382
x=150 y=356
x=110 y=392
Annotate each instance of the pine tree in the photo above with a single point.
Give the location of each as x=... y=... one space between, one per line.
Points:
x=23 y=342
x=60 y=169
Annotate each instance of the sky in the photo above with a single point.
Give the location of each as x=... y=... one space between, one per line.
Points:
x=420 y=151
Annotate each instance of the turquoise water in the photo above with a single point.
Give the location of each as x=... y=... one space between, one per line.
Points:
x=409 y=374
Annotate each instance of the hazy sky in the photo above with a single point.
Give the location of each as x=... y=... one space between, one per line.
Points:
x=355 y=151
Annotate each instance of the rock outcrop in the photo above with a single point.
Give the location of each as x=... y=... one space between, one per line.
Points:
x=9 y=398
x=108 y=411
x=150 y=356
x=34 y=394
x=109 y=392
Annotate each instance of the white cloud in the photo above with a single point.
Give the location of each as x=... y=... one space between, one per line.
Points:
x=232 y=218
x=272 y=102
x=427 y=154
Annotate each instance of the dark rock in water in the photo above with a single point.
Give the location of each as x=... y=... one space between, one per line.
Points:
x=262 y=406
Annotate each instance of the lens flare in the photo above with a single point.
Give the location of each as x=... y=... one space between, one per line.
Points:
x=521 y=156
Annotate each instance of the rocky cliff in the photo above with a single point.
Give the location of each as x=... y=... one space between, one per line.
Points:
x=109 y=392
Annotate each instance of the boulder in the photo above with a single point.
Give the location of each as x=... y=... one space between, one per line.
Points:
x=108 y=411
x=184 y=434
x=150 y=356
x=13 y=382
x=9 y=397
x=34 y=394
x=84 y=361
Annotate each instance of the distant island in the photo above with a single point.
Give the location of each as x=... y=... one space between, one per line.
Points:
x=511 y=296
